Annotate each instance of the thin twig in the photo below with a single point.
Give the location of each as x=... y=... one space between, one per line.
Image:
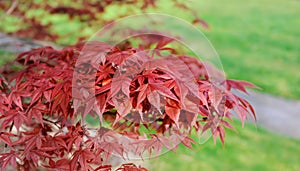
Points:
x=55 y=123
x=10 y=129
x=12 y=7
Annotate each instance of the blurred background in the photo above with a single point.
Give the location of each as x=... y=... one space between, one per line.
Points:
x=257 y=41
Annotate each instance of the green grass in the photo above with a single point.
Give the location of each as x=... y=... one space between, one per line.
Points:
x=5 y=57
x=251 y=149
x=257 y=41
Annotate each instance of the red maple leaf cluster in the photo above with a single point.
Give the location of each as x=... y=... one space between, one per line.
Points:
x=43 y=105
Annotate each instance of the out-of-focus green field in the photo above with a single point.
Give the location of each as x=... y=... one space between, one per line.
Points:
x=5 y=56
x=258 y=41
x=250 y=150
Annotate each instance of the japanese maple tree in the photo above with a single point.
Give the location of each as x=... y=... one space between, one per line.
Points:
x=43 y=106
x=144 y=97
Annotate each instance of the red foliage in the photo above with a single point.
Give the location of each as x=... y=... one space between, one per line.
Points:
x=44 y=105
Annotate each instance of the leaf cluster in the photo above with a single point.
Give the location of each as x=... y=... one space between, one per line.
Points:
x=43 y=106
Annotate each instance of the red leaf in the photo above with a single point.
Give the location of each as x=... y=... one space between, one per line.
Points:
x=154 y=99
x=81 y=158
x=5 y=137
x=242 y=112
x=188 y=142
x=240 y=85
x=104 y=168
x=9 y=158
x=172 y=110
x=163 y=42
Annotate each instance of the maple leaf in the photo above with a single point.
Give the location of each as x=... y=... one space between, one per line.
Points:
x=173 y=110
x=59 y=165
x=16 y=99
x=5 y=137
x=104 y=168
x=110 y=144
x=33 y=140
x=240 y=85
x=9 y=158
x=15 y=117
x=81 y=158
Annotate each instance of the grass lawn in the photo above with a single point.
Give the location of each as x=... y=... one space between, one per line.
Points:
x=251 y=149
x=258 y=41
x=5 y=56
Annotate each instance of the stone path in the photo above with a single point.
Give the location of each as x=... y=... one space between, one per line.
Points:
x=15 y=45
x=276 y=114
